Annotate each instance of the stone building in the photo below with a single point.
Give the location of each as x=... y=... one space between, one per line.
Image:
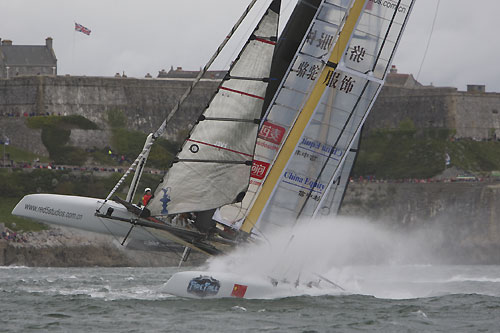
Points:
x=473 y=114
x=179 y=73
x=23 y=60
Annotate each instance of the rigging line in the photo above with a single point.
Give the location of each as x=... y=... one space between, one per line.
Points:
x=111 y=233
x=429 y=40
x=398 y=39
x=166 y=244
x=381 y=49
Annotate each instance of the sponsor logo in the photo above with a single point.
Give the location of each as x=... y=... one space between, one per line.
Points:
x=259 y=169
x=203 y=286
x=272 y=133
x=53 y=211
x=304 y=182
x=165 y=200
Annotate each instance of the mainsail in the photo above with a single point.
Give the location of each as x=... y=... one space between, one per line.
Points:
x=222 y=142
x=346 y=80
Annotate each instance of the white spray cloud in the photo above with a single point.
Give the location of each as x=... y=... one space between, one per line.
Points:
x=363 y=257
x=320 y=246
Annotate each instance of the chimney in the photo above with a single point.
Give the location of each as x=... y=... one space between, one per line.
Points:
x=48 y=42
x=393 y=70
x=6 y=42
x=476 y=88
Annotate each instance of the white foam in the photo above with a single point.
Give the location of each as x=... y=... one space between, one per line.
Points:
x=361 y=257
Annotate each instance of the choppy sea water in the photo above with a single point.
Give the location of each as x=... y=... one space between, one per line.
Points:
x=377 y=298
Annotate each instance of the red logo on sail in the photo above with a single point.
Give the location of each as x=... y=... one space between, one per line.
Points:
x=259 y=169
x=271 y=132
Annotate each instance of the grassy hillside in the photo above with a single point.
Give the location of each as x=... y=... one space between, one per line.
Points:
x=56 y=131
x=411 y=153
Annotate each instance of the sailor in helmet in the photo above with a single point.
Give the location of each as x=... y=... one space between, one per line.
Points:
x=147 y=196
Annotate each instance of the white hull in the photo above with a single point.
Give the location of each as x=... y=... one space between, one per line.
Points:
x=79 y=213
x=203 y=284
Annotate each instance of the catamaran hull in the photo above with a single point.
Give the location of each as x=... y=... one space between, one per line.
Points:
x=203 y=284
x=79 y=213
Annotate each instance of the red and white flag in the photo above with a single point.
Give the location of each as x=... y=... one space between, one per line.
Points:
x=81 y=28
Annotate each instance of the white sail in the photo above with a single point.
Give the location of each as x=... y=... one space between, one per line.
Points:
x=285 y=106
x=213 y=166
x=346 y=85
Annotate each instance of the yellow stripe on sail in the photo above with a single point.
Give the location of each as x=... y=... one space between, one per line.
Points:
x=303 y=119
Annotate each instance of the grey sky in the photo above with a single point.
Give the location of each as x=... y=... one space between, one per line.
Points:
x=145 y=36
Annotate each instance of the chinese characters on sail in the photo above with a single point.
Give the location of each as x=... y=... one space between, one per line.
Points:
x=323 y=42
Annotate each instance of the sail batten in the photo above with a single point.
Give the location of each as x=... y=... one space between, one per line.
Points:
x=215 y=161
x=242 y=93
x=231 y=119
x=263 y=79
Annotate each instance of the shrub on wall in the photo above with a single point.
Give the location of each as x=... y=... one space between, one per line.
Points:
x=396 y=154
x=56 y=131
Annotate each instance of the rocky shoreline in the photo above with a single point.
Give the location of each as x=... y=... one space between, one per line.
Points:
x=61 y=247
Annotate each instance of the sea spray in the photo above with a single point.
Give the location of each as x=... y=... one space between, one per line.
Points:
x=325 y=243
x=331 y=248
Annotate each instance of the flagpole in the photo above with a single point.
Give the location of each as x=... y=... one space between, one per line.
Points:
x=73 y=50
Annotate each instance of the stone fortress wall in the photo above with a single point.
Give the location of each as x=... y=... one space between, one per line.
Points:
x=145 y=103
x=465 y=214
x=471 y=113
